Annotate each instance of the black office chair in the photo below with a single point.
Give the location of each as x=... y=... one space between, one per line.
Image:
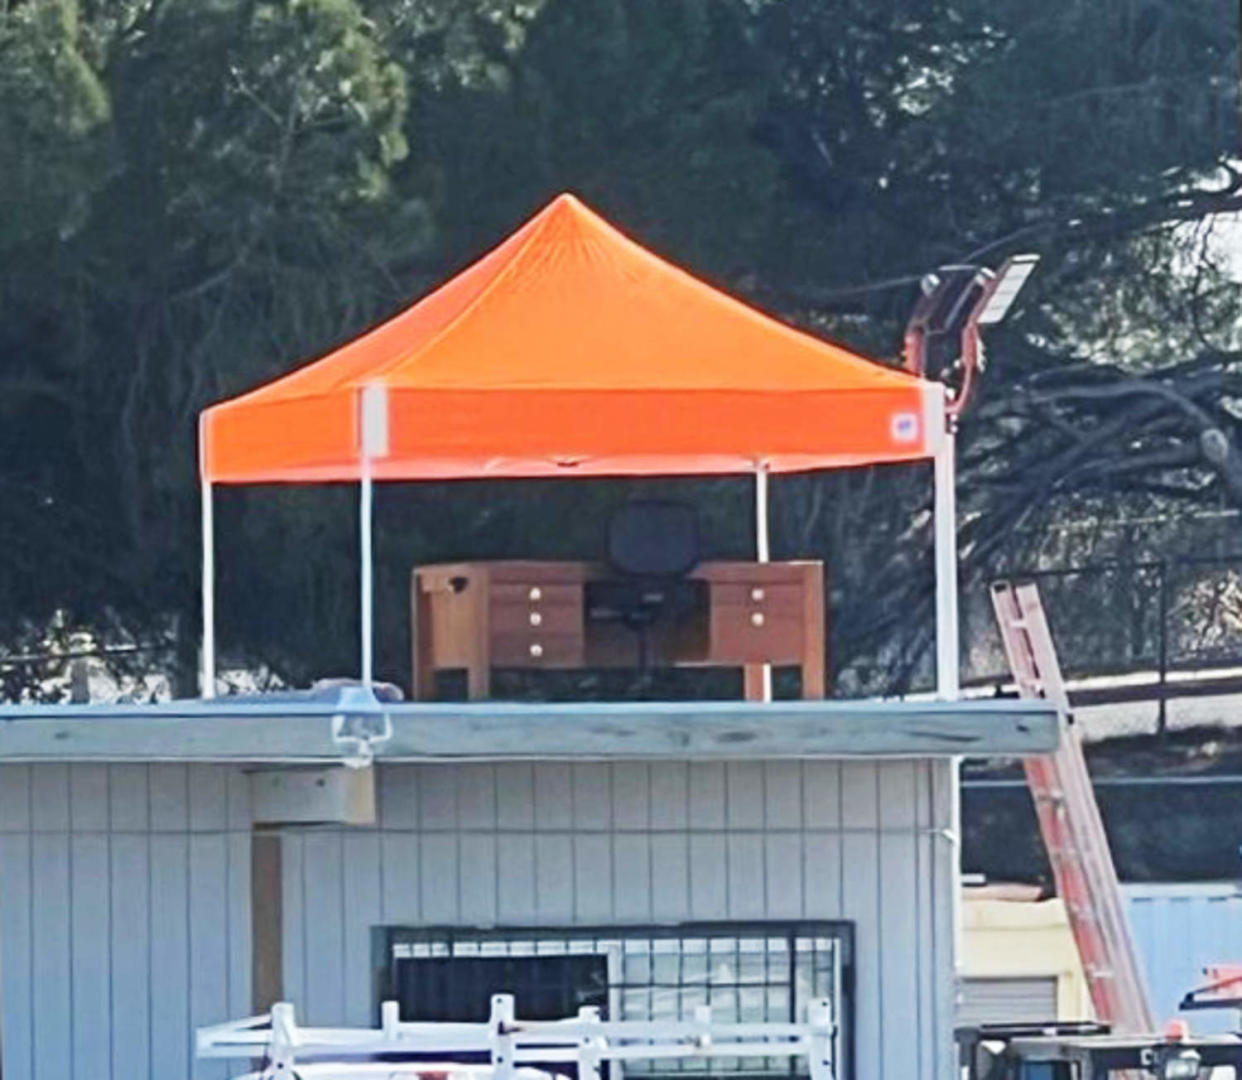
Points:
x=652 y=545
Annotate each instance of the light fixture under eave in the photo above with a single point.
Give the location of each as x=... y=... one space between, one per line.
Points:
x=359 y=725
x=1003 y=289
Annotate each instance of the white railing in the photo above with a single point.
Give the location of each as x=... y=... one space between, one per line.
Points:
x=398 y=1050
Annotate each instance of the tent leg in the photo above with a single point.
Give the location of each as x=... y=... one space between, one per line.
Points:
x=366 y=587
x=763 y=549
x=207 y=674
x=373 y=424
x=947 y=640
x=948 y=660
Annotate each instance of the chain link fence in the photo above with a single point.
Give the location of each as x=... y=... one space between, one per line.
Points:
x=1159 y=622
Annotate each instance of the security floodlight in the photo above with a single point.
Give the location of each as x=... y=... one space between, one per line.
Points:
x=942 y=336
x=1003 y=289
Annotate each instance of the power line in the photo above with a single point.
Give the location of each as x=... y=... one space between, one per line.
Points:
x=820 y=296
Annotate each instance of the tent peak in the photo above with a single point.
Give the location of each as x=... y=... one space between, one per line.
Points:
x=567 y=199
x=568 y=205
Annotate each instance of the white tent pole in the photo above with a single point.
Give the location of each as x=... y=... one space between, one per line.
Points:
x=762 y=547
x=207 y=675
x=948 y=661
x=373 y=429
x=365 y=583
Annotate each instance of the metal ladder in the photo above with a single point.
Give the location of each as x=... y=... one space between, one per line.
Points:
x=1069 y=821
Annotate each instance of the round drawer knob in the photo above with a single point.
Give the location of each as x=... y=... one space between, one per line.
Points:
x=756 y=618
x=535 y=618
x=536 y=650
x=536 y=593
x=756 y=594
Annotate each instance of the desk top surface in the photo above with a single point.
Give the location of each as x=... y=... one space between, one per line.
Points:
x=570 y=572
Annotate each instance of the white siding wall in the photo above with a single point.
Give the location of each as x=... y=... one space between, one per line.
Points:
x=557 y=845
x=124 y=917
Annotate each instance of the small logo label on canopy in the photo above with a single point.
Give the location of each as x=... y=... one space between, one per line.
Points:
x=905 y=427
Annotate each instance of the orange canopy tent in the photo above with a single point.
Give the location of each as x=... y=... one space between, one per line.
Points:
x=569 y=350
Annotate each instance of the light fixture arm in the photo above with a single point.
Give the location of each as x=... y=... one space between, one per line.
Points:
x=959 y=300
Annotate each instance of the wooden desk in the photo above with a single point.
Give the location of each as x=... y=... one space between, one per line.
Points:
x=514 y=614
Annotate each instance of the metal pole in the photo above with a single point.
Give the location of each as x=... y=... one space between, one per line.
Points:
x=373 y=425
x=763 y=550
x=365 y=582
x=207 y=673
x=948 y=646
x=1162 y=715
x=948 y=661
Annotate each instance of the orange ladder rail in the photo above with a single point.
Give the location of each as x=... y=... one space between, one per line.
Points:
x=1069 y=821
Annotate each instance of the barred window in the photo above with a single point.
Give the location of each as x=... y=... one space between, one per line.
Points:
x=746 y=972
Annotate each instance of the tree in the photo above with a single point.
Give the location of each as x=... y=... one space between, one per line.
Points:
x=53 y=115
x=227 y=189
x=1098 y=135
x=250 y=145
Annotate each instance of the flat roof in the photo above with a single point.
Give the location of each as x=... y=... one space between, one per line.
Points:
x=293 y=729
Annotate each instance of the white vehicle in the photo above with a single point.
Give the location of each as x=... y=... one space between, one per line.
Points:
x=515 y=1049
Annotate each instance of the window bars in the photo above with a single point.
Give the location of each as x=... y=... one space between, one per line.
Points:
x=746 y=972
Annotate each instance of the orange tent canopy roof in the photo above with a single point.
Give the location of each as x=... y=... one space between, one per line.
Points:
x=571 y=350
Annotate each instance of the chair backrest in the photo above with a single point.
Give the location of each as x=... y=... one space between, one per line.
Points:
x=653 y=538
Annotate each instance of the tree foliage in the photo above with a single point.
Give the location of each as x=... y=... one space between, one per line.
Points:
x=200 y=195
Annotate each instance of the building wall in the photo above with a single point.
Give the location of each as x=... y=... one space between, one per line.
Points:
x=1013 y=940
x=125 y=896
x=124 y=917
x=586 y=844
x=1179 y=929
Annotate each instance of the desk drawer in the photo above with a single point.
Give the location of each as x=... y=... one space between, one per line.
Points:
x=532 y=649
x=560 y=613
x=757 y=624
x=536 y=595
x=536 y=625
